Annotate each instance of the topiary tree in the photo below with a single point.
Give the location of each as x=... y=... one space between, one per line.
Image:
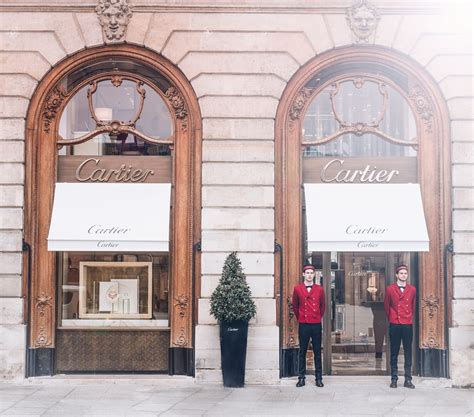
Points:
x=232 y=298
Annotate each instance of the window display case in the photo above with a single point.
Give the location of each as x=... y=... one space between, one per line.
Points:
x=115 y=290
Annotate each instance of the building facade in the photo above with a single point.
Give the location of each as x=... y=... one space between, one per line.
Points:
x=257 y=127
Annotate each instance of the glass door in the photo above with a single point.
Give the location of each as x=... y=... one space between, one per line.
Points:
x=355 y=335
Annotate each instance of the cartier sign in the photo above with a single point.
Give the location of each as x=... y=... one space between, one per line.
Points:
x=114 y=169
x=360 y=170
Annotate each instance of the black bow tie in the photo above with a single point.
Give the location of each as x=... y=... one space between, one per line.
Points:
x=309 y=286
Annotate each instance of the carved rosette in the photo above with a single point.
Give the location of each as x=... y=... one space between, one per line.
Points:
x=431 y=341
x=181 y=340
x=44 y=310
x=431 y=303
x=52 y=105
x=177 y=103
x=423 y=106
x=114 y=16
x=363 y=19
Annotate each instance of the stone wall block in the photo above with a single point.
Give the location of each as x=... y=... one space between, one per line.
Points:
x=137 y=28
x=238 y=84
x=261 y=286
x=11 y=195
x=31 y=63
x=13 y=336
x=236 y=196
x=429 y=45
x=463 y=152
x=11 y=310
x=12 y=129
x=463 y=175
x=91 y=29
x=11 y=218
x=457 y=86
x=12 y=173
x=252 y=263
x=237 y=218
x=278 y=63
x=46 y=43
x=246 y=241
x=180 y=42
x=461 y=368
x=464 y=242
x=10 y=263
x=12 y=151
x=461 y=108
x=340 y=32
x=10 y=286
x=10 y=240
x=462 y=130
x=238 y=129
x=13 y=106
x=463 y=288
x=17 y=85
x=266 y=311
x=463 y=220
x=387 y=29
x=204 y=314
x=463 y=198
x=238 y=106
x=463 y=265
x=241 y=173
x=463 y=312
x=62 y=23
x=237 y=151
x=412 y=27
x=443 y=65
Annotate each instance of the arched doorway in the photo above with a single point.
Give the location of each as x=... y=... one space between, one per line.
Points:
x=130 y=117
x=316 y=120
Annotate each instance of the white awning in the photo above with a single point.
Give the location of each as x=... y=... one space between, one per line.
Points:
x=110 y=217
x=365 y=218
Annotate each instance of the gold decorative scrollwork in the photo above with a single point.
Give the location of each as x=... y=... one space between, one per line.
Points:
x=177 y=103
x=432 y=304
x=300 y=102
x=291 y=341
x=44 y=309
x=52 y=105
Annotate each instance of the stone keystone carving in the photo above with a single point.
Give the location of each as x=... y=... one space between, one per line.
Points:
x=114 y=16
x=362 y=19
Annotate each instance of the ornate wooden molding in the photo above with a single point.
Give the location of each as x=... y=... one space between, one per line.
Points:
x=182 y=303
x=363 y=19
x=300 y=102
x=177 y=103
x=291 y=323
x=114 y=16
x=423 y=106
x=52 y=105
x=181 y=340
x=43 y=305
x=432 y=304
x=431 y=341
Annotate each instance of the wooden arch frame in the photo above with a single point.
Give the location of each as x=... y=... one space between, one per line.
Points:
x=40 y=174
x=432 y=122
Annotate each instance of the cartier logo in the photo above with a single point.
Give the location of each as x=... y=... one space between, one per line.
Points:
x=89 y=170
x=368 y=174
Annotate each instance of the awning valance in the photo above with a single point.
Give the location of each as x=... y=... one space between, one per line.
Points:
x=110 y=217
x=365 y=218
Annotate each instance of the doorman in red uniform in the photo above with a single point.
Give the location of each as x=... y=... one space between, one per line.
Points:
x=399 y=304
x=309 y=305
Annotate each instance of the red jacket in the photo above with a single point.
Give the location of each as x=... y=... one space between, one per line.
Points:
x=309 y=306
x=400 y=306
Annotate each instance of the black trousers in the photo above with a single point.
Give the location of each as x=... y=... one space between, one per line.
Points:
x=311 y=331
x=400 y=333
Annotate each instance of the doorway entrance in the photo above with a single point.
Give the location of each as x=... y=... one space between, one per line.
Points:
x=355 y=328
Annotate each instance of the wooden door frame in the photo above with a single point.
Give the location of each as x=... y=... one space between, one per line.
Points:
x=432 y=121
x=42 y=122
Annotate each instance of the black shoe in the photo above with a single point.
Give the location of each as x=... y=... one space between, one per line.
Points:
x=409 y=384
x=319 y=383
x=300 y=382
x=393 y=384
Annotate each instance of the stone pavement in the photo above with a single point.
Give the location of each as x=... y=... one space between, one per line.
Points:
x=146 y=396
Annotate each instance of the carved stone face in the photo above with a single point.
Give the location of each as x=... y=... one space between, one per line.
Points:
x=363 y=20
x=114 y=16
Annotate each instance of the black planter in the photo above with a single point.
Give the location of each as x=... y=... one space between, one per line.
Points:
x=233 y=337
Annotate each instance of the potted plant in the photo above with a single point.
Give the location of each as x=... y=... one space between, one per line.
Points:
x=233 y=307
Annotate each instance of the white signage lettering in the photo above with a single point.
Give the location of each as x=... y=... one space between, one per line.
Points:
x=368 y=174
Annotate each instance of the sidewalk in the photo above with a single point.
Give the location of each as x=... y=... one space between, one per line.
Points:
x=147 y=396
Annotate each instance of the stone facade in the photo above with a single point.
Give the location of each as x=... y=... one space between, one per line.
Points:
x=238 y=58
